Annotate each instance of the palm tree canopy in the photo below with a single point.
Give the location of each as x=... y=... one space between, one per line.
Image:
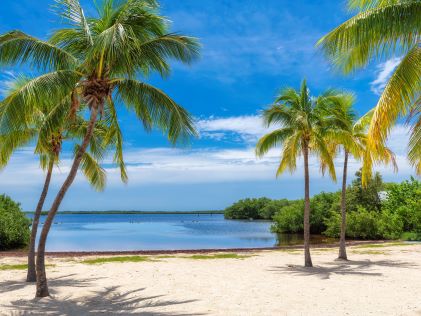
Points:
x=302 y=122
x=381 y=29
x=100 y=61
x=48 y=129
x=351 y=135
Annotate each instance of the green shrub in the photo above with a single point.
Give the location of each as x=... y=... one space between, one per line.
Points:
x=366 y=197
x=411 y=236
x=289 y=219
x=390 y=226
x=14 y=225
x=404 y=199
x=333 y=225
x=321 y=207
x=362 y=224
x=246 y=209
x=272 y=207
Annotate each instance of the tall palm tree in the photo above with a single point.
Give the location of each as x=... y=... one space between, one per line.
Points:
x=38 y=129
x=100 y=60
x=350 y=135
x=302 y=132
x=381 y=29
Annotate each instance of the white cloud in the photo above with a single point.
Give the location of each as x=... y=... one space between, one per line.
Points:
x=384 y=71
x=248 y=128
x=206 y=165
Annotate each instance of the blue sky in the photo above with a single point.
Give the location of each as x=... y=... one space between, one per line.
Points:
x=251 y=49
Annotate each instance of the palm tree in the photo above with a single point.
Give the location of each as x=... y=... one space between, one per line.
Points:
x=381 y=29
x=99 y=61
x=38 y=128
x=302 y=131
x=350 y=135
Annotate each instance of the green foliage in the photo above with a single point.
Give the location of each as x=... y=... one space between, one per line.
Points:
x=362 y=224
x=302 y=125
x=272 y=207
x=248 y=209
x=321 y=206
x=399 y=216
x=411 y=236
x=333 y=225
x=382 y=29
x=14 y=226
x=367 y=197
x=289 y=219
x=390 y=225
x=403 y=200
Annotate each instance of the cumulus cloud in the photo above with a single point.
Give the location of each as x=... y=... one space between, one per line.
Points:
x=246 y=128
x=384 y=71
x=204 y=165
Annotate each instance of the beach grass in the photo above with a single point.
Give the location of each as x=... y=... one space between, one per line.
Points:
x=389 y=244
x=370 y=252
x=22 y=266
x=116 y=259
x=13 y=266
x=217 y=256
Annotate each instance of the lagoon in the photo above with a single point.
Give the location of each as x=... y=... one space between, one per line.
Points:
x=127 y=232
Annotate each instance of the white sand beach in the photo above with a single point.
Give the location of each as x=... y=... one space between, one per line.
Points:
x=381 y=280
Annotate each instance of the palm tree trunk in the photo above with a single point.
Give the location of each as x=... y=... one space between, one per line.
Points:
x=342 y=247
x=307 y=256
x=31 y=275
x=42 y=287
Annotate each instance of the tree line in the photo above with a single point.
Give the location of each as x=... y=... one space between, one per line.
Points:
x=378 y=211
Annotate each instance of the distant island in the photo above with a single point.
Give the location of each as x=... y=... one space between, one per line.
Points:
x=130 y=212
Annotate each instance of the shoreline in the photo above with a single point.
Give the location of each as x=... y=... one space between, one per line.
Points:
x=64 y=254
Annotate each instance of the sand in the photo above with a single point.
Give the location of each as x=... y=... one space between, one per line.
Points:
x=377 y=281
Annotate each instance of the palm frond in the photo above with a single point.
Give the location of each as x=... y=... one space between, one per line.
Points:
x=379 y=32
x=73 y=12
x=92 y=170
x=114 y=136
x=400 y=91
x=156 y=110
x=46 y=90
x=272 y=140
x=17 y=47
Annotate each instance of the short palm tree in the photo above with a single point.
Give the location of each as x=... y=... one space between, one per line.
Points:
x=99 y=61
x=302 y=132
x=384 y=28
x=38 y=129
x=350 y=135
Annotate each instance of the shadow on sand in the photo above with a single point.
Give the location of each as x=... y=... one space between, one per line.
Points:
x=62 y=281
x=110 y=301
x=342 y=268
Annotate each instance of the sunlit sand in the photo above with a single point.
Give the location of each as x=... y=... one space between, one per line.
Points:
x=378 y=280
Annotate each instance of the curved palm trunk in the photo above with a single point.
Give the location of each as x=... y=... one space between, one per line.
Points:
x=342 y=247
x=42 y=287
x=307 y=256
x=31 y=275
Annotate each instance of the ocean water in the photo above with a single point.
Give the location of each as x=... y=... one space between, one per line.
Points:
x=117 y=232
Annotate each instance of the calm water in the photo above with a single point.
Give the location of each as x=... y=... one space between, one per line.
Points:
x=114 y=232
